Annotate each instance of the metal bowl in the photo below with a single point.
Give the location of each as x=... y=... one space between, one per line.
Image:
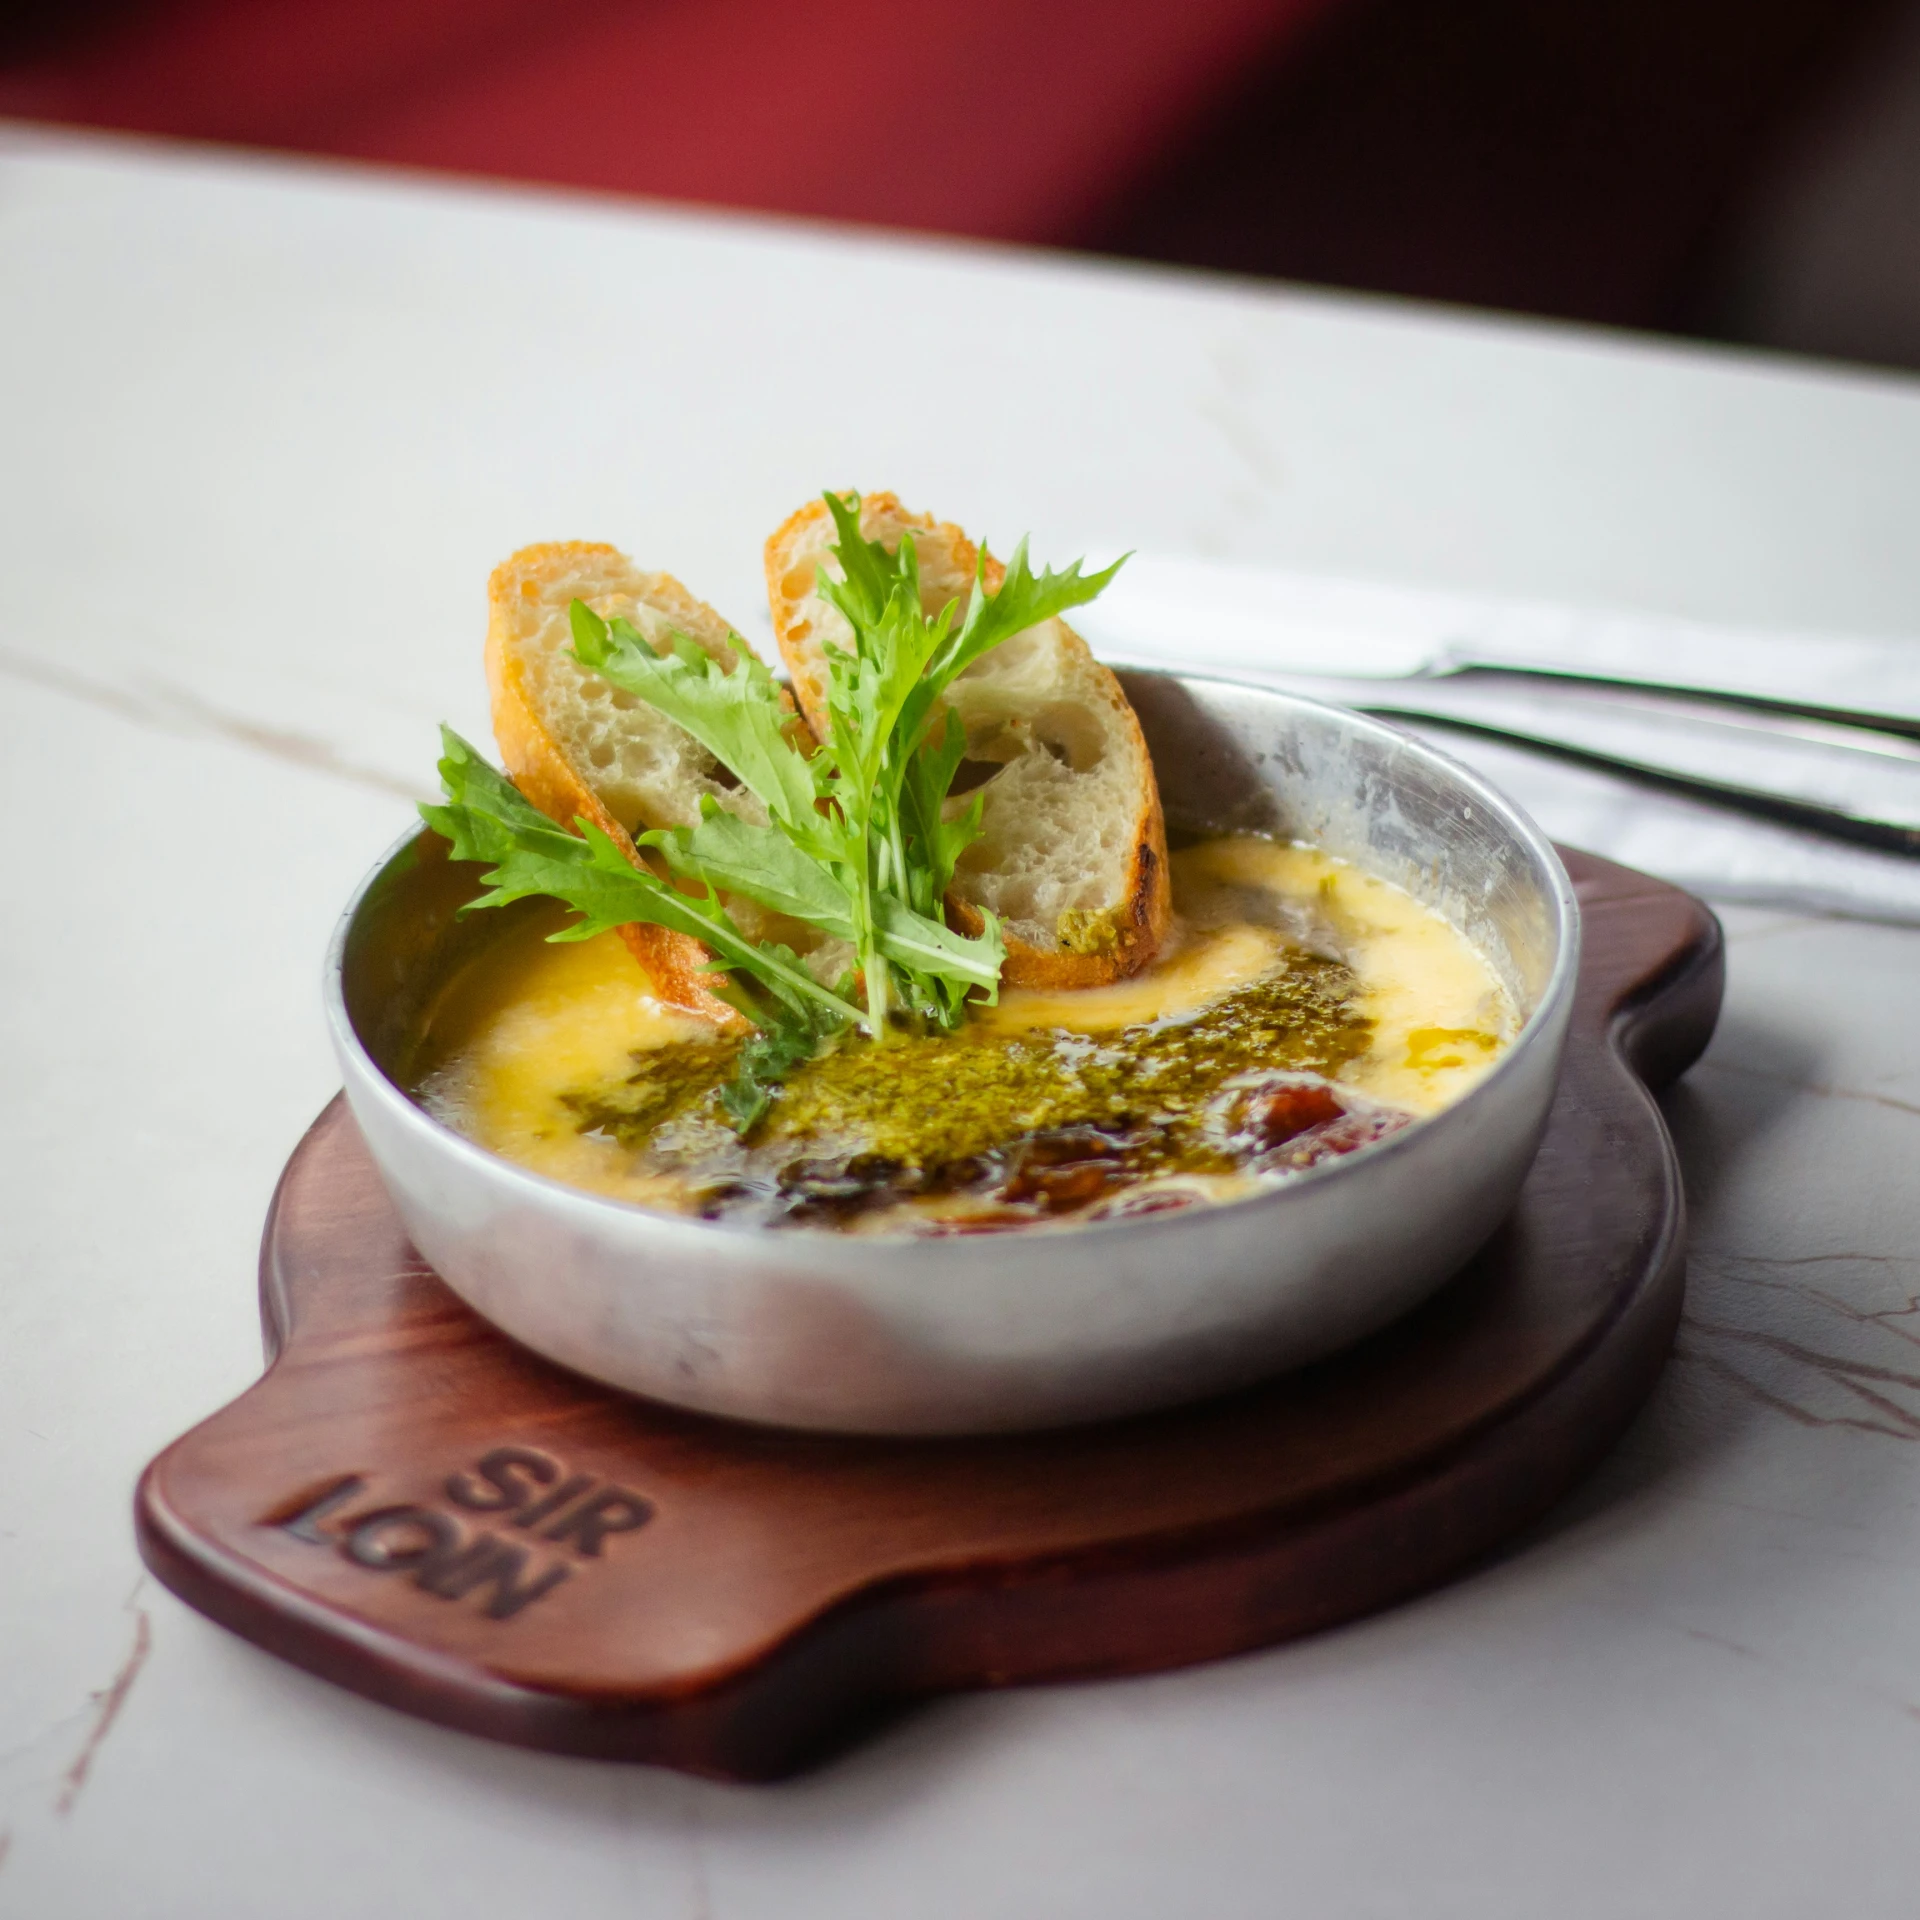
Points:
x=973 y=1335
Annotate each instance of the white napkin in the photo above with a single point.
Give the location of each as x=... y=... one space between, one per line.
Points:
x=1199 y=616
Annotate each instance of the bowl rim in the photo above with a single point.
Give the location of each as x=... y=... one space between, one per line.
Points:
x=1555 y=992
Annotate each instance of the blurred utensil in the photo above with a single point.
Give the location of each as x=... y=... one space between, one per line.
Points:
x=1846 y=783
x=1818 y=734
x=1174 y=606
x=1760 y=686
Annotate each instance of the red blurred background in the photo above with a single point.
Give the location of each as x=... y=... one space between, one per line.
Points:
x=1742 y=168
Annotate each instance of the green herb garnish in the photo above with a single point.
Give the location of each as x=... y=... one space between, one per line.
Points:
x=858 y=842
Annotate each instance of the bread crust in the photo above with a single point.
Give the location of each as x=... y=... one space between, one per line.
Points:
x=675 y=963
x=1141 y=918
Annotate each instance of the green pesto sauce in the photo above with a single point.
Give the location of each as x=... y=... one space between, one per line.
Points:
x=935 y=1107
x=1087 y=930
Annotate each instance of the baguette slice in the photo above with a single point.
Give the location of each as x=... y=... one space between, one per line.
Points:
x=1073 y=856
x=577 y=747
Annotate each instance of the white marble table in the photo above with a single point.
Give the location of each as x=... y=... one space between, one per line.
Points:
x=263 y=429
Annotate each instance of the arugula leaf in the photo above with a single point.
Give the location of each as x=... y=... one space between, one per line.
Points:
x=759 y=862
x=922 y=945
x=923 y=794
x=487 y=819
x=1021 y=601
x=737 y=857
x=737 y=714
x=784 y=1041
x=869 y=570
x=866 y=692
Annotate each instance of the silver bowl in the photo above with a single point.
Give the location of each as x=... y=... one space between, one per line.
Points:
x=974 y=1335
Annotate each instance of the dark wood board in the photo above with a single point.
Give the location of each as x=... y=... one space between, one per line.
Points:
x=411 y=1505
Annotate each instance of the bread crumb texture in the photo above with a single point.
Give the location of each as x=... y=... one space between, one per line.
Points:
x=646 y=769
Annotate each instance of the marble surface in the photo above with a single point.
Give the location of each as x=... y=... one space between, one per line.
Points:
x=265 y=428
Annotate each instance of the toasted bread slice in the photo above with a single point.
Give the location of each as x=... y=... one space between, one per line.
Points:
x=1073 y=856
x=578 y=748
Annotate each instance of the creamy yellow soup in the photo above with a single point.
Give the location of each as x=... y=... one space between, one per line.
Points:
x=1300 y=1009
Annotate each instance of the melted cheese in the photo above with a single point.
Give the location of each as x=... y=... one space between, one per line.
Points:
x=1196 y=968
x=1440 y=1017
x=532 y=1021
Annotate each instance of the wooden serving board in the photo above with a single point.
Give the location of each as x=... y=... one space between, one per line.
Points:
x=413 y=1506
